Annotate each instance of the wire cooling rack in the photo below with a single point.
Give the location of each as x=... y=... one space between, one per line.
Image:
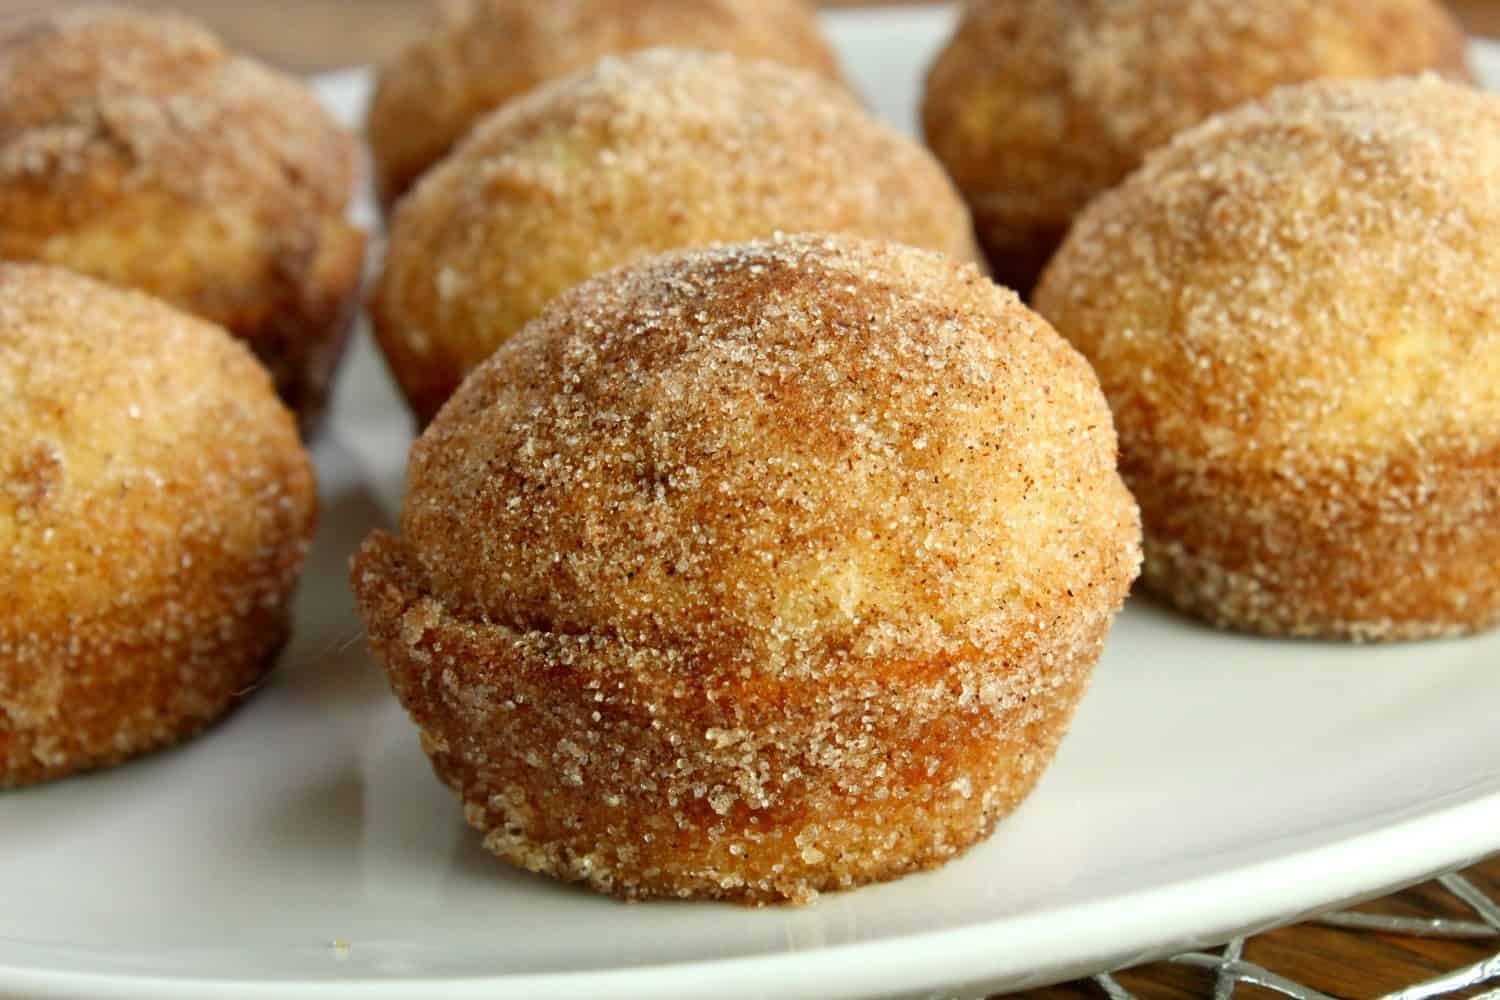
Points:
x=1481 y=922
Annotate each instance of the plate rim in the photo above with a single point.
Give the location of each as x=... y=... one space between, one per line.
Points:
x=1344 y=869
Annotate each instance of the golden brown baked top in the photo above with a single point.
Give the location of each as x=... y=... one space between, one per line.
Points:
x=139 y=445
x=1041 y=105
x=481 y=53
x=639 y=154
x=1301 y=279
x=778 y=457
x=155 y=99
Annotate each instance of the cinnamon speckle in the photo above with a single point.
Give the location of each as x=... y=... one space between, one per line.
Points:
x=146 y=565
x=802 y=632
x=637 y=155
x=1292 y=308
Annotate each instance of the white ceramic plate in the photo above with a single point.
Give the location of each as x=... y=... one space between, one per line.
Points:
x=1211 y=784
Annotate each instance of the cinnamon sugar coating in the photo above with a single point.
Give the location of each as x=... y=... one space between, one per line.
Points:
x=134 y=148
x=637 y=155
x=155 y=509
x=1035 y=108
x=480 y=54
x=753 y=571
x=1293 y=310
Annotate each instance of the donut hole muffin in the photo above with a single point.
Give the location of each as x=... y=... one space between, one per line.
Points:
x=155 y=510
x=135 y=149
x=1293 y=311
x=1035 y=108
x=637 y=155
x=480 y=54
x=755 y=571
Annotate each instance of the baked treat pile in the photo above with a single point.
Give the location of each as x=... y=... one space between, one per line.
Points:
x=639 y=154
x=480 y=54
x=755 y=571
x=155 y=510
x=1294 y=312
x=1036 y=108
x=136 y=149
x=757 y=544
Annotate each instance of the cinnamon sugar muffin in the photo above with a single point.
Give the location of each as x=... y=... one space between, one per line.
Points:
x=480 y=54
x=155 y=508
x=753 y=571
x=639 y=154
x=136 y=149
x=1294 y=311
x=1035 y=108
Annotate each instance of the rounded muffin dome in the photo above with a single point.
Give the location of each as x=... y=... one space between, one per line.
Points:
x=1035 y=108
x=756 y=570
x=698 y=478
x=479 y=54
x=155 y=510
x=1293 y=311
x=638 y=155
x=136 y=149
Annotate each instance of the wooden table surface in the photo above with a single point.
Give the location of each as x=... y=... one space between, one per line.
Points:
x=308 y=35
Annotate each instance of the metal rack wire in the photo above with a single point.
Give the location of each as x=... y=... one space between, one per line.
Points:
x=1230 y=968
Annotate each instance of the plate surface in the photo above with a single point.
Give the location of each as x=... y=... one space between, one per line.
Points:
x=1211 y=784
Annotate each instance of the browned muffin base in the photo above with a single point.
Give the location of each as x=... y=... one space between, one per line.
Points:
x=586 y=759
x=1393 y=550
x=302 y=338
x=124 y=694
